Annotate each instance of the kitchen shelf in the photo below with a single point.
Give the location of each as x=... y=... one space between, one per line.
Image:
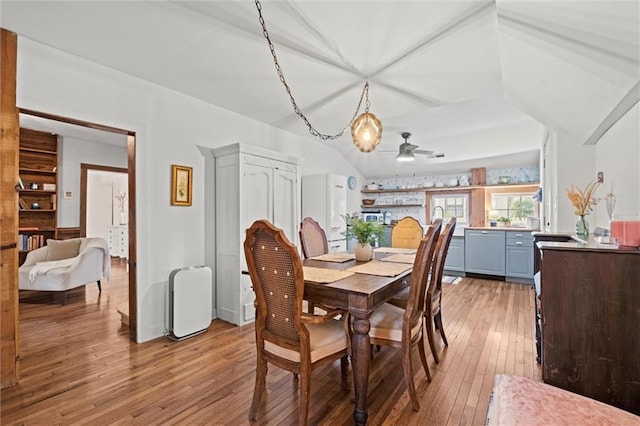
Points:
x=390 y=206
x=447 y=188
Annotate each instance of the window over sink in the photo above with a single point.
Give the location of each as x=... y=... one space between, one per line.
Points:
x=446 y=206
x=517 y=206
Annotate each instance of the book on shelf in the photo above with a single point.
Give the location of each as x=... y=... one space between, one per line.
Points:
x=54 y=201
x=28 y=228
x=23 y=204
x=20 y=183
x=49 y=186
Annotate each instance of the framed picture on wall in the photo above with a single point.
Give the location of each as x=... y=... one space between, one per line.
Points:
x=181 y=182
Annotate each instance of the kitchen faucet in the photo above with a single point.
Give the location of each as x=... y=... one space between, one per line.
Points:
x=433 y=212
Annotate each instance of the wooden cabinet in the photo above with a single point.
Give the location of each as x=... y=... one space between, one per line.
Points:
x=590 y=309
x=38 y=169
x=484 y=252
x=119 y=241
x=455 y=256
x=251 y=184
x=519 y=256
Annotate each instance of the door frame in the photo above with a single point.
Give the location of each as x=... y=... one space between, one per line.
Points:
x=84 y=170
x=131 y=172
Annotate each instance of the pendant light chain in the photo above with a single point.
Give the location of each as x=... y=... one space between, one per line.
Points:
x=296 y=109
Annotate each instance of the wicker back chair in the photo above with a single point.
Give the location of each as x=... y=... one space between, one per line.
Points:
x=407 y=233
x=433 y=308
x=398 y=327
x=285 y=336
x=312 y=238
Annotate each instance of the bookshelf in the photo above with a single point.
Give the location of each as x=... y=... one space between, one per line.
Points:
x=38 y=193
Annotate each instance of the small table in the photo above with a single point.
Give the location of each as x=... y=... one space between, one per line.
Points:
x=360 y=294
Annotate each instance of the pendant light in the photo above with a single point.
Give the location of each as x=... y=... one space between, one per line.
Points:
x=366 y=129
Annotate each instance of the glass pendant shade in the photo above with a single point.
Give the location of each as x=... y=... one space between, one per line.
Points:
x=405 y=156
x=366 y=132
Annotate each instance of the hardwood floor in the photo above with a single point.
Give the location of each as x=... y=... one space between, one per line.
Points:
x=78 y=366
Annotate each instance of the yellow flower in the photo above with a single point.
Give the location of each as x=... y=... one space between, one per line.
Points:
x=583 y=201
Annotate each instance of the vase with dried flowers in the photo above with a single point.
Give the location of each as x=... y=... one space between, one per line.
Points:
x=583 y=202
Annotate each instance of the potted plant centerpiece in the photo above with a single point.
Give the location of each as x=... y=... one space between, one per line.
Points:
x=364 y=232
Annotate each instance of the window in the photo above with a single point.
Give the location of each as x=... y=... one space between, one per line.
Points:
x=516 y=206
x=448 y=206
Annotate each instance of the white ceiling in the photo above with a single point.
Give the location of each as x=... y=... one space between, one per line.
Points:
x=477 y=80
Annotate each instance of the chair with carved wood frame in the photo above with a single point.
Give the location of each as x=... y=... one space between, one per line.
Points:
x=407 y=233
x=403 y=328
x=433 y=302
x=313 y=239
x=285 y=336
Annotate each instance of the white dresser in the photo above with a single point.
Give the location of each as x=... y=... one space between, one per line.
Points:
x=119 y=241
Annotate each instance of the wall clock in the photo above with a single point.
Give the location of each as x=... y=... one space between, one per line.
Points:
x=351 y=182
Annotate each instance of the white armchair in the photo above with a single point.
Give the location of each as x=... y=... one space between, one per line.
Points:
x=63 y=265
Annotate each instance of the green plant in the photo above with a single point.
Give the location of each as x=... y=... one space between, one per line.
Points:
x=503 y=219
x=364 y=232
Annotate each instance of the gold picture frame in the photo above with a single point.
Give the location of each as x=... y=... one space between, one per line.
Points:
x=181 y=185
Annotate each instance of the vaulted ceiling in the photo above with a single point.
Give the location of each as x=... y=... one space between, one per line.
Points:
x=480 y=81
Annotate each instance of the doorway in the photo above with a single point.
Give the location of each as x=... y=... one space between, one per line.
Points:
x=130 y=138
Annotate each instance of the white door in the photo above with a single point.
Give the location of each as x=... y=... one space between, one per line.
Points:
x=257 y=196
x=285 y=203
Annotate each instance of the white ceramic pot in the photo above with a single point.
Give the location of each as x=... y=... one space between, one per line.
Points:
x=362 y=252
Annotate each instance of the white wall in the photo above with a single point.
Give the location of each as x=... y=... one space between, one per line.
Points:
x=170 y=129
x=102 y=209
x=617 y=154
x=74 y=153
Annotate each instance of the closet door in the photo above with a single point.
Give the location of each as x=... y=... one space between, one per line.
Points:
x=256 y=195
x=285 y=202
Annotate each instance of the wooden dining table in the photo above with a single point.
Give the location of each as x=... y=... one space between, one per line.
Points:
x=359 y=294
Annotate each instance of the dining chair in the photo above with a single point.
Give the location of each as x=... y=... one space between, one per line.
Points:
x=403 y=328
x=285 y=336
x=407 y=233
x=312 y=238
x=433 y=303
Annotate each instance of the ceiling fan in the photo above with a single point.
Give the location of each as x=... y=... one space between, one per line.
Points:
x=407 y=151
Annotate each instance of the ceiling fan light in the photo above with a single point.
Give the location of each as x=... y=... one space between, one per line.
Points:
x=366 y=132
x=405 y=156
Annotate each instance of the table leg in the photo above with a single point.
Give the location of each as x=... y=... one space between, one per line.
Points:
x=360 y=354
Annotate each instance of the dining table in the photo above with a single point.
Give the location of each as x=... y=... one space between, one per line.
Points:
x=360 y=294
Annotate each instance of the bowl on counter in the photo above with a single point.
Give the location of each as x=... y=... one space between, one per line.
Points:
x=368 y=201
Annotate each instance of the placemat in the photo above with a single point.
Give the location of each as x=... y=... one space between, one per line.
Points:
x=400 y=258
x=323 y=275
x=395 y=250
x=334 y=257
x=383 y=269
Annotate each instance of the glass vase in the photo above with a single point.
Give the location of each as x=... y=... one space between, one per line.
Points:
x=582 y=226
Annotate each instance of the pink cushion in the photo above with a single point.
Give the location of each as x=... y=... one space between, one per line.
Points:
x=521 y=401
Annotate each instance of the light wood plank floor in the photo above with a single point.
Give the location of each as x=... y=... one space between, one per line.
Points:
x=77 y=366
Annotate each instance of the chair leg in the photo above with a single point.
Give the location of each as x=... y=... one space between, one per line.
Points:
x=430 y=323
x=305 y=391
x=438 y=321
x=258 y=390
x=408 y=377
x=99 y=287
x=423 y=357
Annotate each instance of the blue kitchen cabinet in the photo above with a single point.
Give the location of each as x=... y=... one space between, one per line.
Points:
x=455 y=255
x=484 y=251
x=519 y=255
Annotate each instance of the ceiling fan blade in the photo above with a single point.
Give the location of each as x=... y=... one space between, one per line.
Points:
x=437 y=155
x=423 y=151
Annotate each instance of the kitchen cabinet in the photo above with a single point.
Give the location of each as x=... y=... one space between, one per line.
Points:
x=484 y=251
x=251 y=184
x=519 y=256
x=455 y=255
x=324 y=199
x=589 y=315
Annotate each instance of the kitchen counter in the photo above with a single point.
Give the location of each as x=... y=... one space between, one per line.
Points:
x=503 y=228
x=589 y=244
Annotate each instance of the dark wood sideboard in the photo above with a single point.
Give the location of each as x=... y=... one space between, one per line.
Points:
x=590 y=320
